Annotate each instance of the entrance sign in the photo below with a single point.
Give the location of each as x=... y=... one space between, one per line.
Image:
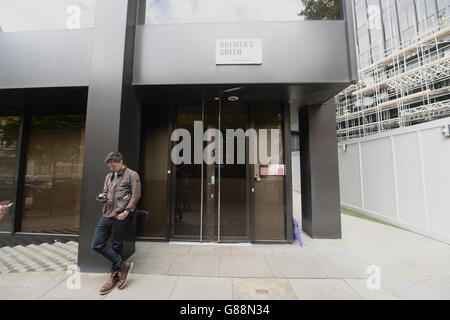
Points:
x=238 y=51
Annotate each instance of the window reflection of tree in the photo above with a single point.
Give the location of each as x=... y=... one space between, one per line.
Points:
x=321 y=9
x=51 y=146
x=9 y=132
x=53 y=172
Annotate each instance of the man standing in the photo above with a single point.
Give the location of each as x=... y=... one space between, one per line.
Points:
x=121 y=193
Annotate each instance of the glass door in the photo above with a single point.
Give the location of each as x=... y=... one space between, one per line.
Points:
x=187 y=177
x=226 y=214
x=221 y=191
x=211 y=192
x=234 y=175
x=269 y=174
x=211 y=155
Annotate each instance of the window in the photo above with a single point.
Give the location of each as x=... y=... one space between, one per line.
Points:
x=407 y=20
x=443 y=7
x=390 y=25
x=426 y=13
x=361 y=14
x=210 y=11
x=375 y=27
x=9 y=136
x=53 y=174
x=362 y=31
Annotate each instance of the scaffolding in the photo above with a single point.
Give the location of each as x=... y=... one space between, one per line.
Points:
x=400 y=86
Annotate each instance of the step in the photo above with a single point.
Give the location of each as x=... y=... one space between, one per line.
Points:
x=73 y=251
x=52 y=256
x=46 y=264
x=16 y=260
x=65 y=254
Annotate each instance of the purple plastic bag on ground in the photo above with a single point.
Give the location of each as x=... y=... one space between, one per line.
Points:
x=297 y=233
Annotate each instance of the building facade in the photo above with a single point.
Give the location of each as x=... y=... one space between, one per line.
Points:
x=148 y=77
x=403 y=67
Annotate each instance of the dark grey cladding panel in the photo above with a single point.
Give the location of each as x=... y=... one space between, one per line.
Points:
x=292 y=52
x=54 y=58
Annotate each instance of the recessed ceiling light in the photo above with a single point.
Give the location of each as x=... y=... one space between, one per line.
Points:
x=233 y=98
x=233 y=89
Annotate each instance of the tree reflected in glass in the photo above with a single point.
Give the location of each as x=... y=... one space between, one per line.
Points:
x=321 y=10
x=54 y=163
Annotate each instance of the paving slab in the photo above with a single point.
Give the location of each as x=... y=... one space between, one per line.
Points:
x=361 y=288
x=144 y=287
x=143 y=246
x=433 y=289
x=31 y=285
x=323 y=289
x=244 y=266
x=295 y=267
x=396 y=281
x=292 y=250
x=262 y=289
x=169 y=248
x=202 y=288
x=254 y=250
x=6 y=278
x=90 y=284
x=154 y=263
x=337 y=269
x=195 y=265
x=445 y=277
x=210 y=250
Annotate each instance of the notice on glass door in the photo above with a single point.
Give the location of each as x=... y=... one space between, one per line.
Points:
x=272 y=170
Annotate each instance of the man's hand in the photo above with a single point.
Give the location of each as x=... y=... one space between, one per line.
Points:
x=2 y=211
x=123 y=215
x=101 y=197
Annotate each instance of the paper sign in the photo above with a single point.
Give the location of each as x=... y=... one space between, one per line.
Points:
x=272 y=170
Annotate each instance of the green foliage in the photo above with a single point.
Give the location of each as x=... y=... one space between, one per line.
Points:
x=9 y=129
x=363 y=216
x=55 y=136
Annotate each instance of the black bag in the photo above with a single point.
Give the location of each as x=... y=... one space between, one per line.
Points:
x=136 y=212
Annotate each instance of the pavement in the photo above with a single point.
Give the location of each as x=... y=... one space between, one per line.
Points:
x=406 y=265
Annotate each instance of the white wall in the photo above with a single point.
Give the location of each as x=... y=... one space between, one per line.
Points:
x=401 y=177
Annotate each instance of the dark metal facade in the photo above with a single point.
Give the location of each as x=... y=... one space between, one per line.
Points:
x=308 y=62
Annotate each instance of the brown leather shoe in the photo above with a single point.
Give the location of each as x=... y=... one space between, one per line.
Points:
x=123 y=274
x=111 y=283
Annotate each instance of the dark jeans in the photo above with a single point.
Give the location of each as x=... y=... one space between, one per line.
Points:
x=107 y=227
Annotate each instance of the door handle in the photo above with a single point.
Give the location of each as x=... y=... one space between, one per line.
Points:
x=256 y=172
